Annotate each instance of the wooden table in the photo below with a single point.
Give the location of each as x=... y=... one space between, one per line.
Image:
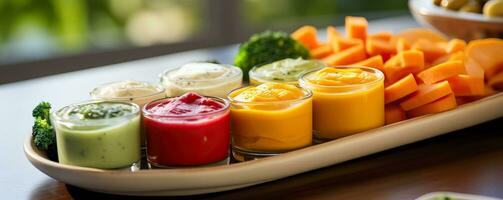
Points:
x=470 y=160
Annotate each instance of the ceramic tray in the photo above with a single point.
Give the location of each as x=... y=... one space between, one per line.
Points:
x=186 y=181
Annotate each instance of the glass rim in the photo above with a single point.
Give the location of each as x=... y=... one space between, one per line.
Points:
x=55 y=115
x=307 y=94
x=237 y=72
x=305 y=83
x=147 y=113
x=158 y=87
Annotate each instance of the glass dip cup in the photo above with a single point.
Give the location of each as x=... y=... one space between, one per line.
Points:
x=346 y=100
x=99 y=134
x=138 y=92
x=178 y=135
x=283 y=71
x=207 y=79
x=278 y=119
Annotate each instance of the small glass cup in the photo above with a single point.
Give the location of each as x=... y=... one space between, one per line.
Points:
x=277 y=72
x=158 y=92
x=339 y=111
x=100 y=143
x=209 y=87
x=187 y=140
x=261 y=129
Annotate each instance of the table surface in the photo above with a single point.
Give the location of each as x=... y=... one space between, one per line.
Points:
x=469 y=160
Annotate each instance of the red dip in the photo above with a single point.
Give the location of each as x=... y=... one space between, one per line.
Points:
x=187 y=130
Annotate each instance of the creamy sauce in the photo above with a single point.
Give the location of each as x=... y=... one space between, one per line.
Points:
x=286 y=70
x=204 y=78
x=126 y=89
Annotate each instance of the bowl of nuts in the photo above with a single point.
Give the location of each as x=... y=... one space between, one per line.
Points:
x=464 y=19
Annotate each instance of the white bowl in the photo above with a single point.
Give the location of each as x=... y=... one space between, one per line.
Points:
x=463 y=25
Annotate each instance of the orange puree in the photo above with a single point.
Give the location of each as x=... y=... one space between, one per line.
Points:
x=271 y=117
x=346 y=100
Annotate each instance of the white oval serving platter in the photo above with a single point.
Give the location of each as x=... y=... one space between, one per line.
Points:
x=187 y=181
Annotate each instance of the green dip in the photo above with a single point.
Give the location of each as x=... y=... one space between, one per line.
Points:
x=284 y=71
x=99 y=134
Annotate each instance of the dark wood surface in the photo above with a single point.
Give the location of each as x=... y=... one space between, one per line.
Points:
x=467 y=161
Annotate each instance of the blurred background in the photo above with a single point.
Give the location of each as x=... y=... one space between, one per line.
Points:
x=42 y=37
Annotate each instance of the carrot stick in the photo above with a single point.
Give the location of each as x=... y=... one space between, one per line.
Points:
x=321 y=51
x=346 y=57
x=430 y=50
x=307 y=36
x=385 y=36
x=394 y=113
x=487 y=53
x=443 y=104
x=403 y=64
x=414 y=34
x=400 y=89
x=340 y=44
x=442 y=72
x=356 y=27
x=466 y=85
x=402 y=45
x=455 y=45
x=332 y=33
x=379 y=47
x=374 y=62
x=426 y=94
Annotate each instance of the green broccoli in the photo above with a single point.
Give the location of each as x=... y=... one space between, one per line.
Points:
x=42 y=110
x=43 y=133
x=267 y=47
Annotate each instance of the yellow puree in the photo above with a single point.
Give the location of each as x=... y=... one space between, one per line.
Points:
x=271 y=117
x=345 y=101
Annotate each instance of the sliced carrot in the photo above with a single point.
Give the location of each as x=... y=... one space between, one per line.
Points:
x=443 y=104
x=466 y=85
x=379 y=47
x=496 y=82
x=403 y=64
x=356 y=27
x=473 y=68
x=402 y=45
x=456 y=56
x=414 y=34
x=431 y=50
x=307 y=36
x=339 y=44
x=374 y=62
x=346 y=57
x=442 y=72
x=455 y=45
x=426 y=94
x=488 y=91
x=439 y=60
x=412 y=58
x=394 y=113
x=321 y=51
x=332 y=33
x=385 y=36
x=400 y=89
x=487 y=53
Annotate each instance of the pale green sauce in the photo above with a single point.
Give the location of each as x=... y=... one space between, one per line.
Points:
x=285 y=70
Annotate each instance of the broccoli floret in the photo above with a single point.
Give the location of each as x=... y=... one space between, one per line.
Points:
x=42 y=110
x=267 y=47
x=43 y=133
